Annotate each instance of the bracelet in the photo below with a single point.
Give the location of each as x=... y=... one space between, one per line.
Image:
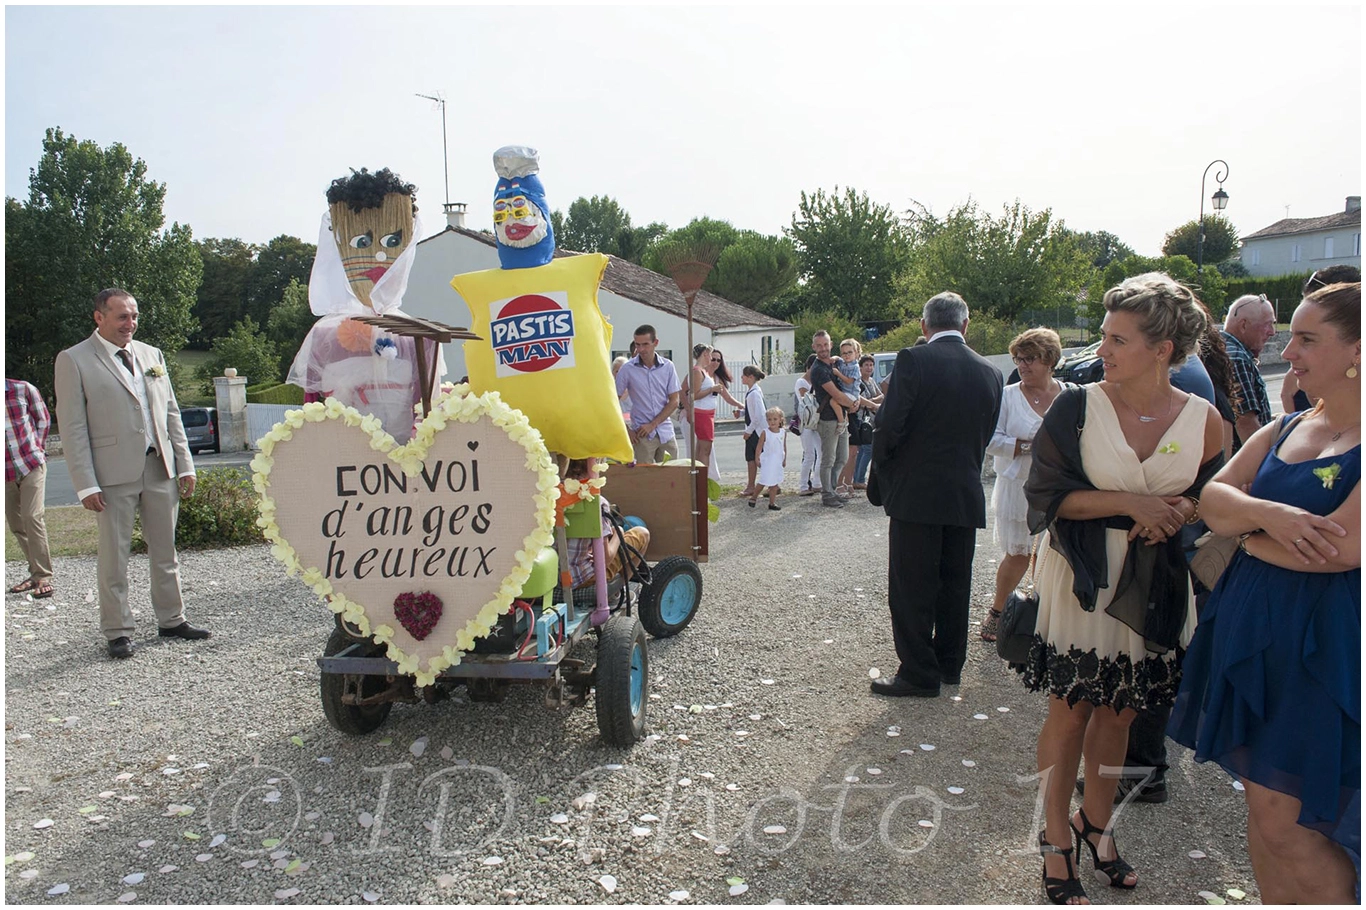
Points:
x=1195 y=516
x=1242 y=541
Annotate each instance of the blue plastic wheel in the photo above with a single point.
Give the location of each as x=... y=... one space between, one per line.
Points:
x=669 y=602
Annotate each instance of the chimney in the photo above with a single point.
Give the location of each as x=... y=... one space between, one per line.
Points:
x=455 y=213
x=1353 y=203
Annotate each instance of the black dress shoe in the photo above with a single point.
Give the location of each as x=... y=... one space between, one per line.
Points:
x=121 y=647
x=897 y=687
x=184 y=630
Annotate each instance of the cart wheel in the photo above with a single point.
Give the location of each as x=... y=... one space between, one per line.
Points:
x=669 y=602
x=354 y=720
x=623 y=676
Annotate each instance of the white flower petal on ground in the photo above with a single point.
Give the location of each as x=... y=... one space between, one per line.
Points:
x=767 y=682
x=369 y=896
x=679 y=895
x=775 y=829
x=955 y=790
x=969 y=763
x=925 y=823
x=42 y=823
x=285 y=894
x=168 y=869
x=133 y=878
x=127 y=897
x=608 y=883
x=218 y=839
x=874 y=673
x=1196 y=854
x=493 y=861
x=445 y=880
x=926 y=747
x=58 y=889
x=737 y=890
x=365 y=819
x=979 y=717
x=418 y=747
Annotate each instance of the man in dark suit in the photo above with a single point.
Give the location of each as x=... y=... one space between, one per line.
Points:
x=928 y=443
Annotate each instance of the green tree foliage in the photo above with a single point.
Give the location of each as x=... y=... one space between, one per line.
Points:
x=222 y=513
x=1103 y=248
x=221 y=301
x=1221 y=240
x=1019 y=261
x=809 y=322
x=755 y=270
x=92 y=220
x=279 y=262
x=1211 y=288
x=246 y=349
x=849 y=252
x=290 y=321
x=600 y=225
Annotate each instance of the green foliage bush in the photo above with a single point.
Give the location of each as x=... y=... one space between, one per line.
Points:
x=221 y=513
x=990 y=335
x=809 y=322
x=246 y=349
x=275 y=393
x=903 y=336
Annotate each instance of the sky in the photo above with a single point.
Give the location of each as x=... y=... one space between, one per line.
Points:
x=1107 y=114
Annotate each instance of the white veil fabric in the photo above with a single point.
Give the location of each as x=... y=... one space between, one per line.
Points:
x=375 y=373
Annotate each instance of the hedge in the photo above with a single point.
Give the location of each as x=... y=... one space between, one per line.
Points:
x=1283 y=291
x=221 y=513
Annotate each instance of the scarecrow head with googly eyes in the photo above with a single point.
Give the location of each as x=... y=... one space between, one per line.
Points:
x=372 y=224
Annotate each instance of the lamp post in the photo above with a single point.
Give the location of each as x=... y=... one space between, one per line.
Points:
x=1219 y=200
x=445 y=168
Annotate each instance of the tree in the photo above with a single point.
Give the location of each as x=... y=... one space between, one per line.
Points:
x=290 y=321
x=849 y=252
x=632 y=242
x=755 y=270
x=279 y=262
x=1103 y=248
x=245 y=348
x=1020 y=261
x=92 y=220
x=1221 y=240
x=592 y=226
x=228 y=264
x=1210 y=287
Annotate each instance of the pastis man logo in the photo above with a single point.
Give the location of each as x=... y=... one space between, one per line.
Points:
x=532 y=333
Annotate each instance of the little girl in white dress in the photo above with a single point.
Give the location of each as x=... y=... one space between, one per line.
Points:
x=772 y=458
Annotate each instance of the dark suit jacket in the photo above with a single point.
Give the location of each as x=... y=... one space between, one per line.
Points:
x=932 y=431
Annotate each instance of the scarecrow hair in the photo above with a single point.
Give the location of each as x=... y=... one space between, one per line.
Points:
x=364 y=190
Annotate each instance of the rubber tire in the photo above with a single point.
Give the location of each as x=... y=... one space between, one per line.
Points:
x=623 y=681
x=672 y=569
x=353 y=720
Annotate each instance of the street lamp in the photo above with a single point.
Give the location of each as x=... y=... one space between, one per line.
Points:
x=1219 y=200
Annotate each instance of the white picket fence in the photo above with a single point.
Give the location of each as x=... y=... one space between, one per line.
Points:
x=261 y=417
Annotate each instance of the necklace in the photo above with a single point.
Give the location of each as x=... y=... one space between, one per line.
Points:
x=1143 y=419
x=1041 y=394
x=1338 y=434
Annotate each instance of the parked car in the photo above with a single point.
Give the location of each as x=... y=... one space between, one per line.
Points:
x=201 y=428
x=1082 y=367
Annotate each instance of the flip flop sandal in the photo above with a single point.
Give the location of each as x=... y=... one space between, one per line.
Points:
x=42 y=590
x=990 y=625
x=24 y=587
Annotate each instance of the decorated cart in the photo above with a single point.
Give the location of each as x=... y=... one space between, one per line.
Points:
x=456 y=550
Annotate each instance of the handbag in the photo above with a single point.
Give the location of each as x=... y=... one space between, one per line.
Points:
x=1019 y=619
x=1212 y=556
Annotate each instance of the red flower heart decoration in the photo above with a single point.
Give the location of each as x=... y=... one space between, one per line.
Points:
x=418 y=613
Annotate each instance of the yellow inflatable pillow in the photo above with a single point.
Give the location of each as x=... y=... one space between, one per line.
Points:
x=547 y=352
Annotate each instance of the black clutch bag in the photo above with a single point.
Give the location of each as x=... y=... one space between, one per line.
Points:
x=1015 y=632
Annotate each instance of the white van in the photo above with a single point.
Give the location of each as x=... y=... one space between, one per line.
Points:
x=882 y=366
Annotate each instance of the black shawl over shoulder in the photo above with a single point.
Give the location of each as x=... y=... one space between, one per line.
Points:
x=1154 y=583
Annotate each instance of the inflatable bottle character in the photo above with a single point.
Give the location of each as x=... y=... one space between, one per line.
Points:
x=366 y=247
x=546 y=346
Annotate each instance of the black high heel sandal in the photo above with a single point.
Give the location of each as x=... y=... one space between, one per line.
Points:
x=1061 y=890
x=1114 y=871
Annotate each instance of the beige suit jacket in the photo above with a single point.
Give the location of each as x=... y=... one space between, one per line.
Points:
x=101 y=418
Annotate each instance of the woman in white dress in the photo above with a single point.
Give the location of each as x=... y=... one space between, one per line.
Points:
x=1023 y=404
x=1119 y=467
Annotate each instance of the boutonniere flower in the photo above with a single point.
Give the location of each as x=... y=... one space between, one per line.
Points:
x=155 y=371
x=1328 y=475
x=1170 y=448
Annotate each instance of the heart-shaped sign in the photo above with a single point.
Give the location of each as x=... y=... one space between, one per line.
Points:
x=421 y=546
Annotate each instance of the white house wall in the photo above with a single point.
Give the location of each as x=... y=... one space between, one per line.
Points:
x=1271 y=256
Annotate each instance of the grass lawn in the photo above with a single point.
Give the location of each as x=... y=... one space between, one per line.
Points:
x=188 y=393
x=71 y=531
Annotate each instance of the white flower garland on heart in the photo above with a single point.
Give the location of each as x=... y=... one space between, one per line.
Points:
x=454 y=405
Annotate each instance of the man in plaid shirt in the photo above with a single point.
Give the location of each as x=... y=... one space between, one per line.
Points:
x=1250 y=323
x=26 y=425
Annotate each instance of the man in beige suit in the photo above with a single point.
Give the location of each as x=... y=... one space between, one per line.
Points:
x=126 y=451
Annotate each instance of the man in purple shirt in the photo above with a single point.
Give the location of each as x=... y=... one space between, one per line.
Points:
x=654 y=388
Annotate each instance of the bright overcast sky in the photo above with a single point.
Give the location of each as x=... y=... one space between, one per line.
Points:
x=1106 y=115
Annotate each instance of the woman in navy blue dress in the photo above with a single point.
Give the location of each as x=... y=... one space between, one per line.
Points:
x=1272 y=687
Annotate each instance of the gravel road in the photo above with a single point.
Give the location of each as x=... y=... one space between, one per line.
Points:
x=205 y=772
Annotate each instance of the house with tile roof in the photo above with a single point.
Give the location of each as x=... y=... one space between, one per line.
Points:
x=630 y=295
x=1294 y=245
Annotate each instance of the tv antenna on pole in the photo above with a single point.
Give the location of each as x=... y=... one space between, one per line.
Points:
x=445 y=164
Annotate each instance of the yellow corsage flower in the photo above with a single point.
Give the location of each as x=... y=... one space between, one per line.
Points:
x=1170 y=448
x=1328 y=474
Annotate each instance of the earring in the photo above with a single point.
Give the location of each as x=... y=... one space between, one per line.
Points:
x=1352 y=371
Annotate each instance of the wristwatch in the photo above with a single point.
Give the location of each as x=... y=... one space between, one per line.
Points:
x=1025 y=446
